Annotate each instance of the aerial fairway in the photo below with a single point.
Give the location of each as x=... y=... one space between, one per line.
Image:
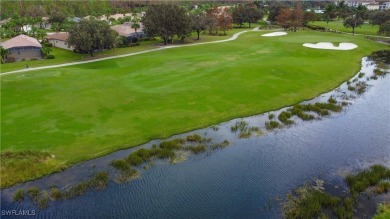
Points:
x=84 y=111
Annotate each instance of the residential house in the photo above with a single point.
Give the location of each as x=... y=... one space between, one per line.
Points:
x=59 y=40
x=384 y=6
x=372 y=6
x=23 y=47
x=126 y=29
x=45 y=23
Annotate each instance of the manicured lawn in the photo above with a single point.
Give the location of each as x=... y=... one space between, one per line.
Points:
x=66 y=56
x=85 y=111
x=367 y=29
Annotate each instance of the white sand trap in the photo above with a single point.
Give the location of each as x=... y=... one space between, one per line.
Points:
x=326 y=45
x=274 y=34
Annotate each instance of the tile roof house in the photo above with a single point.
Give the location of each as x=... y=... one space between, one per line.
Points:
x=59 y=40
x=125 y=29
x=23 y=47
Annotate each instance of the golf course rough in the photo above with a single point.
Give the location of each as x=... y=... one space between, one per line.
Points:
x=85 y=111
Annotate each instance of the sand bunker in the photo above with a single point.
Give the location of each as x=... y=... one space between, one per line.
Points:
x=274 y=34
x=326 y=45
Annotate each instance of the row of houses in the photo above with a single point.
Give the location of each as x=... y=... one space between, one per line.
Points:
x=370 y=4
x=23 y=47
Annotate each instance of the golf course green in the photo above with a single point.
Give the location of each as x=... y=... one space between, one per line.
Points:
x=80 y=112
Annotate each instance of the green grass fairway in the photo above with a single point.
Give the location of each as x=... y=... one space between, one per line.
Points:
x=65 y=56
x=366 y=29
x=85 y=111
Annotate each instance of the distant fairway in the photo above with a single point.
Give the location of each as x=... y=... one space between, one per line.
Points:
x=85 y=111
x=367 y=29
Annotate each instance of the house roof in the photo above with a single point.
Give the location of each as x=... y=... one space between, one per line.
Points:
x=123 y=30
x=116 y=16
x=21 y=41
x=58 y=36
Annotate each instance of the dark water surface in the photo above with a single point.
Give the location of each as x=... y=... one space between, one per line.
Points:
x=245 y=180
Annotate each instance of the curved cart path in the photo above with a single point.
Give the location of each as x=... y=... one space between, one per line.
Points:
x=234 y=37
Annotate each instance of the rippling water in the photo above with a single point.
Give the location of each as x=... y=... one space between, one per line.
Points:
x=245 y=180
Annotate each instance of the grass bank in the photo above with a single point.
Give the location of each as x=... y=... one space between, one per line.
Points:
x=63 y=56
x=81 y=112
x=366 y=29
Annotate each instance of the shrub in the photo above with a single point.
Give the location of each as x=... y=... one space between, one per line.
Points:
x=145 y=154
x=172 y=144
x=241 y=126
x=328 y=106
x=43 y=201
x=332 y=100
x=379 y=72
x=134 y=44
x=285 y=118
x=19 y=195
x=164 y=153
x=324 y=112
x=194 y=138
x=100 y=181
x=76 y=190
x=245 y=134
x=134 y=159
x=271 y=116
x=223 y=144
x=33 y=192
x=361 y=74
x=272 y=125
x=197 y=149
x=120 y=165
x=56 y=194
x=382 y=187
x=361 y=181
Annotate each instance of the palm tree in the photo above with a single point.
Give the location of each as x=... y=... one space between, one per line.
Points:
x=341 y=9
x=357 y=18
x=329 y=13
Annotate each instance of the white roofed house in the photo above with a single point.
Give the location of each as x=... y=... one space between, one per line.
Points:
x=384 y=6
x=22 y=47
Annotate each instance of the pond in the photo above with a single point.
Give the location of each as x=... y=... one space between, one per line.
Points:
x=249 y=178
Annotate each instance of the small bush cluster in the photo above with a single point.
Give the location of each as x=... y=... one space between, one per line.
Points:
x=272 y=125
x=239 y=126
x=194 y=138
x=285 y=118
x=370 y=177
x=308 y=202
x=197 y=149
x=379 y=72
x=382 y=56
x=361 y=87
x=19 y=195
x=221 y=145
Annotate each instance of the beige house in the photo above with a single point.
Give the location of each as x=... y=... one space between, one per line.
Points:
x=22 y=47
x=126 y=29
x=59 y=40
